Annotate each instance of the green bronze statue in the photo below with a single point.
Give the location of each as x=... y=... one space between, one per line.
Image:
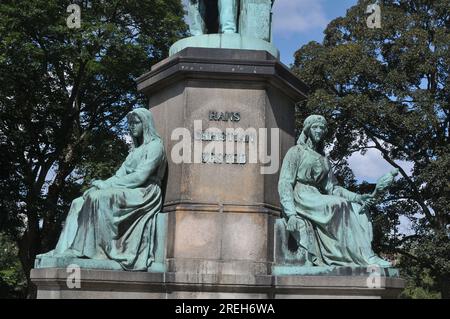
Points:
x=204 y=20
x=221 y=16
x=115 y=219
x=229 y=24
x=330 y=224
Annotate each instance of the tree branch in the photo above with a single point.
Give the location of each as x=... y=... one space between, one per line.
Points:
x=413 y=186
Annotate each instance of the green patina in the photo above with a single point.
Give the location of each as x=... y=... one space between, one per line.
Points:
x=229 y=24
x=116 y=223
x=330 y=224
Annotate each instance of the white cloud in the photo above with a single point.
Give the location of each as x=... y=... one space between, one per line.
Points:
x=406 y=226
x=298 y=16
x=371 y=166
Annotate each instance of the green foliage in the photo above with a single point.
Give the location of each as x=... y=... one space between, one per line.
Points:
x=388 y=89
x=63 y=98
x=420 y=284
x=12 y=278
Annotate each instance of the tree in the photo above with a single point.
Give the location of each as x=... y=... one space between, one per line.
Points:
x=12 y=278
x=63 y=98
x=388 y=89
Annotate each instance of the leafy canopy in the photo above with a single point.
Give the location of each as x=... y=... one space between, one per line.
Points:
x=63 y=98
x=388 y=89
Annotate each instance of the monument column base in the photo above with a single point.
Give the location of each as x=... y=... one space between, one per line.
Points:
x=54 y=283
x=224 y=41
x=222 y=201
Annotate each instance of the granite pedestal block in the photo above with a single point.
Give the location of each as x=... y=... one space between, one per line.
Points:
x=221 y=240
x=224 y=41
x=52 y=283
x=221 y=215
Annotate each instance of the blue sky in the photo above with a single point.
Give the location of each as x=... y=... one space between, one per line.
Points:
x=297 y=22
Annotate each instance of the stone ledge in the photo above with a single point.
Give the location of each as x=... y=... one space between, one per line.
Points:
x=257 y=208
x=224 y=41
x=223 y=64
x=281 y=270
x=218 y=267
x=51 y=283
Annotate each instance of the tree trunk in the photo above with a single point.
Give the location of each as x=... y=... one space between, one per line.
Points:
x=444 y=285
x=27 y=255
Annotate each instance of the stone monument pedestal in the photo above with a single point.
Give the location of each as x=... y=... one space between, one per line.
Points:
x=106 y=284
x=221 y=239
x=224 y=41
x=221 y=214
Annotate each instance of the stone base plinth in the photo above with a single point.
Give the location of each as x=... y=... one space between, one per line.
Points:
x=53 y=283
x=224 y=41
x=221 y=213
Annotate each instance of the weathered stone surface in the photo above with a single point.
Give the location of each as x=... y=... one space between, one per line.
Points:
x=225 y=41
x=221 y=215
x=221 y=241
x=227 y=64
x=52 y=284
x=335 y=287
